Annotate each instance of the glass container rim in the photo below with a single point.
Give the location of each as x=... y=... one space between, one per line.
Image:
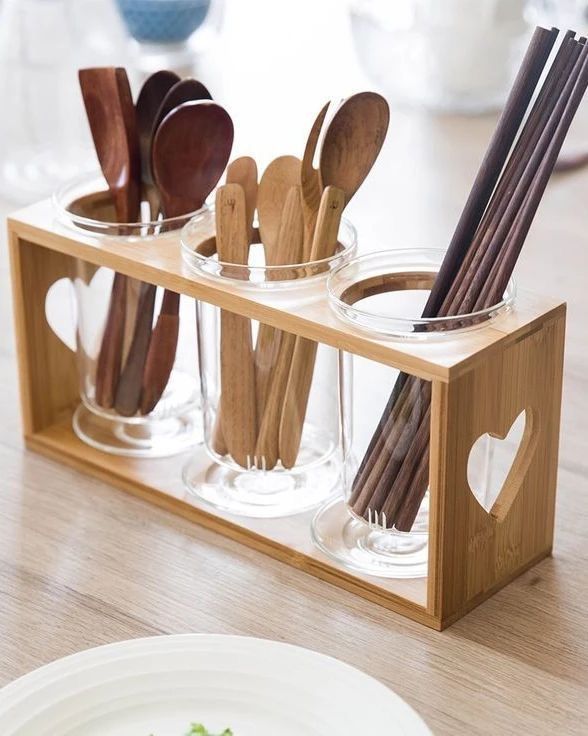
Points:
x=198 y=261
x=347 y=310
x=63 y=196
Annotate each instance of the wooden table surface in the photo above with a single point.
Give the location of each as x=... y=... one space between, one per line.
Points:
x=83 y=564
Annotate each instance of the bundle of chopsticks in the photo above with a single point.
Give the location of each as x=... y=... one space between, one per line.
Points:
x=393 y=476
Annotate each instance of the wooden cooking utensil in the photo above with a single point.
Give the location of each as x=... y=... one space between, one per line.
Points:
x=186 y=90
x=190 y=152
x=149 y=102
x=301 y=365
x=353 y=141
x=311 y=185
x=239 y=422
x=242 y=171
x=278 y=178
x=274 y=349
x=351 y=144
x=110 y=112
x=277 y=183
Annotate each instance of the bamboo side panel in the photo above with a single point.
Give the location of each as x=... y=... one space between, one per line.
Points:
x=474 y=552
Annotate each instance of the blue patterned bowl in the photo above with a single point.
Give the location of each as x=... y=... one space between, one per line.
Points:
x=162 y=21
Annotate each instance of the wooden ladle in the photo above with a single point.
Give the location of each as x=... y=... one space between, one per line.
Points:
x=191 y=149
x=111 y=115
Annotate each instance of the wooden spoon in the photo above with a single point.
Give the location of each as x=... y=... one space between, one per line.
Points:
x=186 y=90
x=302 y=357
x=353 y=141
x=239 y=421
x=278 y=178
x=110 y=111
x=190 y=152
x=149 y=102
x=273 y=357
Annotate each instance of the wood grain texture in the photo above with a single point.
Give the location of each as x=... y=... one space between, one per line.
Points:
x=518 y=664
x=160 y=261
x=297 y=389
x=238 y=403
x=273 y=349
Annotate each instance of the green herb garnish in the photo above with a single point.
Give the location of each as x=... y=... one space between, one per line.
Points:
x=197 y=729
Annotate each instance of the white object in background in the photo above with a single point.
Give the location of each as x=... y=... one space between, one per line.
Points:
x=455 y=56
x=160 y=685
x=44 y=138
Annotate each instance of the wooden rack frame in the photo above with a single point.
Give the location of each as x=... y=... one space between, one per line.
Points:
x=480 y=383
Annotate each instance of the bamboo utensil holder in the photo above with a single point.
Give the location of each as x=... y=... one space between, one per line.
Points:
x=480 y=382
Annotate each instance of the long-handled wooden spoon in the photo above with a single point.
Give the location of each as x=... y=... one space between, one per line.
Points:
x=350 y=147
x=110 y=111
x=149 y=102
x=277 y=182
x=239 y=421
x=186 y=90
x=290 y=249
x=190 y=152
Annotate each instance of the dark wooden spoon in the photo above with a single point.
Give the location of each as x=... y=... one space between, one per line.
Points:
x=149 y=101
x=111 y=115
x=191 y=149
x=186 y=90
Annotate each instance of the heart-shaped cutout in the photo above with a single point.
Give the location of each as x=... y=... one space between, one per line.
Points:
x=65 y=300
x=498 y=463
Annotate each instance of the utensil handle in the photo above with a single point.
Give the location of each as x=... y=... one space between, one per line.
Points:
x=297 y=390
x=128 y=392
x=238 y=411
x=162 y=352
x=267 y=449
x=111 y=347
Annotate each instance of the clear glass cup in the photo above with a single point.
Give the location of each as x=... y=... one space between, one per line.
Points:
x=383 y=294
x=258 y=470
x=174 y=422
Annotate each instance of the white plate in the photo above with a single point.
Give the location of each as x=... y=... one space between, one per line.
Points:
x=160 y=685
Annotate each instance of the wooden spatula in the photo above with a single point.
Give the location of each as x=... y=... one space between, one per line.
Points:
x=301 y=365
x=239 y=421
x=289 y=247
x=110 y=112
x=242 y=171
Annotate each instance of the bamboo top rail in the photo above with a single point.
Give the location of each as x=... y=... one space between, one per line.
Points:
x=305 y=312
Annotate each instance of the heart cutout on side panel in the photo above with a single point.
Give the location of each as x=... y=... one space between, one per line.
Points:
x=62 y=304
x=498 y=464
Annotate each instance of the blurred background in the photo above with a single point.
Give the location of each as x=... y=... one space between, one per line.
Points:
x=271 y=64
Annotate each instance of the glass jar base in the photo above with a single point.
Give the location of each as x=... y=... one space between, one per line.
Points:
x=357 y=546
x=149 y=438
x=263 y=494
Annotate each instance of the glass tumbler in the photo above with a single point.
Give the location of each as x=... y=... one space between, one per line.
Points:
x=145 y=402
x=380 y=524
x=273 y=421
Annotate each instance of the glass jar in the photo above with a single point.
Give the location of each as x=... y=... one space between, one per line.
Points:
x=150 y=405
x=380 y=525
x=273 y=422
